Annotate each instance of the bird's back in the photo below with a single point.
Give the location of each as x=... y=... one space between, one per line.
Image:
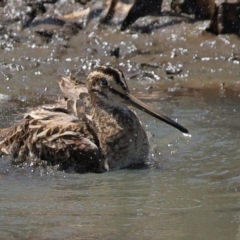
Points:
x=56 y=137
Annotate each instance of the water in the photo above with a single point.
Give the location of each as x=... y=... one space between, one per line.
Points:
x=192 y=189
x=192 y=193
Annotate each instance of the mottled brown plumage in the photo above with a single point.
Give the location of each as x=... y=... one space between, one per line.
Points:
x=77 y=96
x=104 y=135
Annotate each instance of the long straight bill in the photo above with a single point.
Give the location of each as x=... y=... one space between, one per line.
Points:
x=144 y=107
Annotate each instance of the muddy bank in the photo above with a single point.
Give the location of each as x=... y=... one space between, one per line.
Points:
x=167 y=54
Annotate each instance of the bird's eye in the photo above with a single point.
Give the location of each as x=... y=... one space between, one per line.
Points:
x=103 y=82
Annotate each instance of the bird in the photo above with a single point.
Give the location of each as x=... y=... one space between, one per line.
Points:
x=106 y=134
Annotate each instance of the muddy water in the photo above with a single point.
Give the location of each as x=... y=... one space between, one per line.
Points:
x=192 y=189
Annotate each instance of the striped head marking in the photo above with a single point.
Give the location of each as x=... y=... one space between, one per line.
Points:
x=107 y=80
x=108 y=87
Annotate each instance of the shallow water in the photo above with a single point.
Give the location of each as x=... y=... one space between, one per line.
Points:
x=192 y=189
x=191 y=193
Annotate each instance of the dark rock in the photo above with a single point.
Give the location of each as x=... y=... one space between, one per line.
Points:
x=141 y=8
x=202 y=9
x=115 y=52
x=225 y=19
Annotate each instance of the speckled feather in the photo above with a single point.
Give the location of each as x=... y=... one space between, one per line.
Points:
x=57 y=137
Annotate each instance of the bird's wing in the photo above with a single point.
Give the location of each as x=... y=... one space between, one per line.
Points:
x=56 y=137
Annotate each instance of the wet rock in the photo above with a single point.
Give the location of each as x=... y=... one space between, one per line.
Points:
x=225 y=19
x=115 y=52
x=47 y=21
x=150 y=65
x=23 y=11
x=110 y=13
x=3 y=3
x=83 y=2
x=173 y=70
x=33 y=9
x=95 y=11
x=141 y=8
x=42 y=16
x=111 y=10
x=52 y=29
x=201 y=9
x=149 y=76
x=8 y=38
x=47 y=35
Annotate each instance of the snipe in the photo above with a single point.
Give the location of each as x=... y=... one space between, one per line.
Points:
x=110 y=137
